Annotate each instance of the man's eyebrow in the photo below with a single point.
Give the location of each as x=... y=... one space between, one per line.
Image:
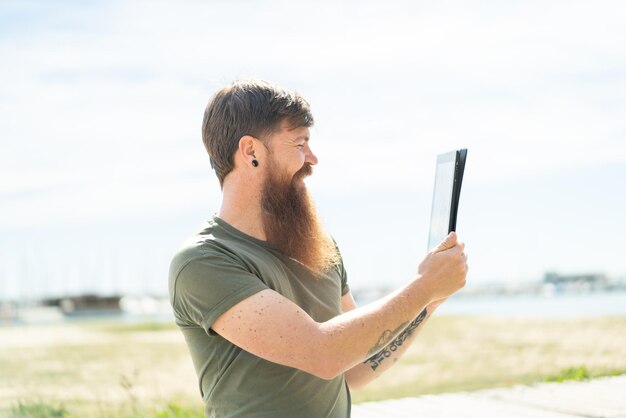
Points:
x=305 y=137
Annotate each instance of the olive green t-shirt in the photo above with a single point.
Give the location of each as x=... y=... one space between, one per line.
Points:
x=221 y=266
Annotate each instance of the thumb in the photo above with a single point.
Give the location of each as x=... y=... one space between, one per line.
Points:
x=448 y=242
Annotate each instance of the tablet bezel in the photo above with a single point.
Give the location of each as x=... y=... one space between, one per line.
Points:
x=459 y=169
x=459 y=157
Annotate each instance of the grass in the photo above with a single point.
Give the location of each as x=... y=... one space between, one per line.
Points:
x=176 y=411
x=572 y=373
x=138 y=327
x=470 y=353
x=38 y=409
x=145 y=371
x=579 y=373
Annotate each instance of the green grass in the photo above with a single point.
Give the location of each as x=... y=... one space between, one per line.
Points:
x=471 y=353
x=177 y=411
x=579 y=373
x=38 y=409
x=572 y=373
x=144 y=370
x=138 y=327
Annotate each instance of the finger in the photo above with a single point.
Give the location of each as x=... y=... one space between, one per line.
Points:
x=447 y=243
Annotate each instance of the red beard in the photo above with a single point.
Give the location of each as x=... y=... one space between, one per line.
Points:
x=291 y=222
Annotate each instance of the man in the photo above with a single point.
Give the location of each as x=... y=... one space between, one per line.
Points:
x=260 y=292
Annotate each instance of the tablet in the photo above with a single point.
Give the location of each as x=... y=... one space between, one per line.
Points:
x=448 y=179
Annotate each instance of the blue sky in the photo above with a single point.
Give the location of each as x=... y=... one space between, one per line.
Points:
x=103 y=173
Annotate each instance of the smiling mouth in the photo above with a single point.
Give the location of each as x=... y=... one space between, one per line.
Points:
x=301 y=174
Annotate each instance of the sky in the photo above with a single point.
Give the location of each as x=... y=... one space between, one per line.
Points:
x=103 y=173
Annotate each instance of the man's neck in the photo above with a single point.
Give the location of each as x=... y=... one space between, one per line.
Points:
x=243 y=213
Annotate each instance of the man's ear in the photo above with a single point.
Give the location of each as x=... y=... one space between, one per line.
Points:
x=248 y=150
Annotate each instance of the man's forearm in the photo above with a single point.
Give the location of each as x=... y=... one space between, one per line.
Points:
x=362 y=374
x=353 y=336
x=343 y=339
x=391 y=351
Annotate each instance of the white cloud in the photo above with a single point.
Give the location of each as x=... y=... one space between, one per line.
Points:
x=102 y=102
x=402 y=83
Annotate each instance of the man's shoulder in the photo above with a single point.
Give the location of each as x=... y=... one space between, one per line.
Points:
x=205 y=242
x=202 y=245
x=212 y=243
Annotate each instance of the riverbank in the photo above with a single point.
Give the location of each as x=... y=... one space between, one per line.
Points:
x=108 y=369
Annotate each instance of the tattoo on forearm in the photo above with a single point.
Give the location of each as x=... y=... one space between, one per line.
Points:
x=384 y=339
x=384 y=350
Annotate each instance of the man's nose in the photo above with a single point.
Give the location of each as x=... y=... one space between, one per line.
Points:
x=310 y=157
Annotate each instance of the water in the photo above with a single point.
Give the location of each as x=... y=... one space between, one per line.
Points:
x=536 y=306
x=556 y=306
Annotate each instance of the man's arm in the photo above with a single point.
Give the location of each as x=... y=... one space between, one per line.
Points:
x=382 y=360
x=272 y=327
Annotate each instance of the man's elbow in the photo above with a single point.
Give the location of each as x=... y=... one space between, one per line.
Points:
x=354 y=382
x=325 y=359
x=324 y=366
x=326 y=372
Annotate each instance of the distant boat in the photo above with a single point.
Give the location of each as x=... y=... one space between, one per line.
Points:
x=83 y=306
x=86 y=305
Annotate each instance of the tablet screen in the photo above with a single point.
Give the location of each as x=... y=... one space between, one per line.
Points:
x=442 y=199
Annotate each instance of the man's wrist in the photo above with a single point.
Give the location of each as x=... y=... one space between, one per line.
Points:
x=424 y=285
x=432 y=306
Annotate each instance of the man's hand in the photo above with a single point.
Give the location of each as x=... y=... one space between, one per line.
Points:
x=444 y=269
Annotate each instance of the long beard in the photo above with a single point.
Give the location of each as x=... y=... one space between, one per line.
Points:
x=292 y=225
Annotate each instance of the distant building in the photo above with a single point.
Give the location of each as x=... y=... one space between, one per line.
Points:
x=579 y=283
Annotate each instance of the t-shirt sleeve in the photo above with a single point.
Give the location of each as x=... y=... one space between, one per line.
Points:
x=207 y=287
x=345 y=288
